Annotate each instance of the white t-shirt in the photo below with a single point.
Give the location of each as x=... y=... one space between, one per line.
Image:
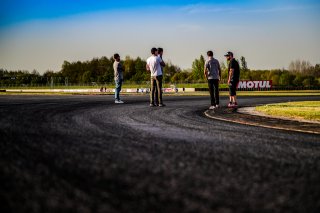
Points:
x=154 y=65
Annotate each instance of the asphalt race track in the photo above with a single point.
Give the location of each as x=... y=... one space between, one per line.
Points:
x=86 y=154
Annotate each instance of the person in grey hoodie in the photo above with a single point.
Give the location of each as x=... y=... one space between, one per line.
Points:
x=118 y=77
x=212 y=72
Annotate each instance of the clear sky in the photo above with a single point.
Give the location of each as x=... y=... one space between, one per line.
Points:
x=39 y=34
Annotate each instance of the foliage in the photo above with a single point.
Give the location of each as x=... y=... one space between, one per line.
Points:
x=198 y=68
x=100 y=71
x=244 y=66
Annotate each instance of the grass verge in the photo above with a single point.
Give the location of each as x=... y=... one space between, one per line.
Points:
x=309 y=110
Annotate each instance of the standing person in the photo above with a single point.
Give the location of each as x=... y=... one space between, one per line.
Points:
x=212 y=72
x=156 y=96
x=153 y=65
x=233 y=79
x=118 y=77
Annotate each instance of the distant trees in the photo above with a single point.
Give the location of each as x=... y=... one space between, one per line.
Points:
x=304 y=73
x=244 y=66
x=140 y=71
x=96 y=70
x=198 y=68
x=299 y=66
x=224 y=70
x=100 y=71
x=181 y=76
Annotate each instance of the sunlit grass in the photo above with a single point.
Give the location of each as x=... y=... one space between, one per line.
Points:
x=309 y=110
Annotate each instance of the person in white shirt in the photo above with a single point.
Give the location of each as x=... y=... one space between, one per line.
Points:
x=154 y=64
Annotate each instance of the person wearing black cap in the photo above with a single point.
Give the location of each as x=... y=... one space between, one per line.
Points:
x=233 y=79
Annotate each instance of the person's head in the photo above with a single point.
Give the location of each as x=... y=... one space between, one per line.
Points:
x=229 y=56
x=210 y=53
x=160 y=50
x=116 y=57
x=154 y=51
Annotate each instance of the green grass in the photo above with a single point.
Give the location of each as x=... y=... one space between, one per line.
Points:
x=309 y=110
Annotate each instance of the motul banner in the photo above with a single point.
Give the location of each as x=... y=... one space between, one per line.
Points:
x=255 y=84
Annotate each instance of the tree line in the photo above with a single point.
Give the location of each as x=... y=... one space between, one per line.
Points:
x=100 y=71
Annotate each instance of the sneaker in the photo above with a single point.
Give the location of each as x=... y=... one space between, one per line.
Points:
x=152 y=105
x=230 y=105
x=212 y=107
x=161 y=105
x=118 y=102
x=217 y=106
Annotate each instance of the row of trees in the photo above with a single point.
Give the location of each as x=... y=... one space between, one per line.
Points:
x=300 y=73
x=100 y=71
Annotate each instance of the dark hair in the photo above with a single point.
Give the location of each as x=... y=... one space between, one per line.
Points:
x=153 y=50
x=210 y=53
x=115 y=56
x=160 y=49
x=230 y=54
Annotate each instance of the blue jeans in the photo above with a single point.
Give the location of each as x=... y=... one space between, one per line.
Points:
x=117 y=89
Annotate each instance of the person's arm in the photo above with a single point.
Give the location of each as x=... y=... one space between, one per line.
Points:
x=119 y=68
x=205 y=71
x=219 y=71
x=115 y=70
x=162 y=62
x=231 y=71
x=147 y=67
x=122 y=68
x=230 y=74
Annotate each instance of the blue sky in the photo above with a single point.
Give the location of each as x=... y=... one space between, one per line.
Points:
x=40 y=35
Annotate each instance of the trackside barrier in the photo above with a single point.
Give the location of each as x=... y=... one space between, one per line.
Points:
x=104 y=90
x=262 y=86
x=274 y=88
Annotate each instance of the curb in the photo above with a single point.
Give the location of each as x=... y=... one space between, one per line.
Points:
x=206 y=113
x=252 y=111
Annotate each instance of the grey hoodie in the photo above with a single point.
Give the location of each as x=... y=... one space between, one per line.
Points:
x=118 y=71
x=213 y=66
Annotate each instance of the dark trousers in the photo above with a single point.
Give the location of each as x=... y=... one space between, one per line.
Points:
x=214 y=91
x=233 y=88
x=156 y=86
x=156 y=95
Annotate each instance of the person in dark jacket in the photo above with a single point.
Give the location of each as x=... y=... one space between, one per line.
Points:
x=233 y=79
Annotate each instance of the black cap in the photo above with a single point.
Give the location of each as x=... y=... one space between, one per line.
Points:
x=229 y=54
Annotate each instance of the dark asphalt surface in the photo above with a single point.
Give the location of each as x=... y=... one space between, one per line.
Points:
x=86 y=154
